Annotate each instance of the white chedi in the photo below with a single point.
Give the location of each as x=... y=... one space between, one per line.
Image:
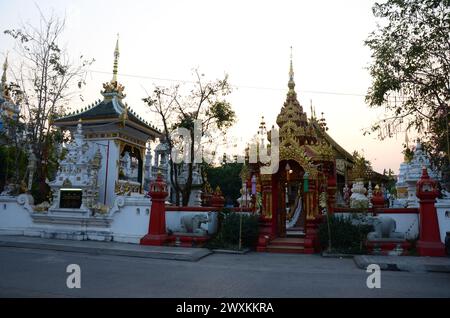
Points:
x=409 y=174
x=358 y=199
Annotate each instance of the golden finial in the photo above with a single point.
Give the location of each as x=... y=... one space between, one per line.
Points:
x=291 y=69
x=291 y=83
x=116 y=60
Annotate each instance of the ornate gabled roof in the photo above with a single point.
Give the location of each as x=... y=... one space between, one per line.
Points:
x=111 y=108
x=330 y=141
x=295 y=130
x=305 y=135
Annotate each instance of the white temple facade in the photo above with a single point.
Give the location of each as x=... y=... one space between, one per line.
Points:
x=76 y=184
x=100 y=189
x=98 y=192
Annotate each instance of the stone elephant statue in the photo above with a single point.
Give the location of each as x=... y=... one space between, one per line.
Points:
x=192 y=223
x=384 y=230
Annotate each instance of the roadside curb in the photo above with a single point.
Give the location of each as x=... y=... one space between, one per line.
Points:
x=225 y=251
x=107 y=248
x=404 y=263
x=337 y=255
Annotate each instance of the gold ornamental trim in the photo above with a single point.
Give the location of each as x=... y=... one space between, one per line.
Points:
x=300 y=157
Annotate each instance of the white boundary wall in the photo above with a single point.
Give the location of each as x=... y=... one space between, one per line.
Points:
x=127 y=221
x=443 y=214
x=405 y=222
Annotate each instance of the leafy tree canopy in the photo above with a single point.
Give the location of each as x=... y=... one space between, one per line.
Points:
x=410 y=71
x=227 y=177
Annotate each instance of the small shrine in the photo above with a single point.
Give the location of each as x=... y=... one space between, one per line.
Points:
x=409 y=174
x=115 y=135
x=312 y=166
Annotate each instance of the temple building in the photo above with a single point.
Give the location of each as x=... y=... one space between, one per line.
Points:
x=313 y=168
x=120 y=135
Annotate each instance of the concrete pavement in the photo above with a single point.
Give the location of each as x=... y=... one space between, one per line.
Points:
x=42 y=273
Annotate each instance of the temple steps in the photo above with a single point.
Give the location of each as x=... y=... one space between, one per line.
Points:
x=295 y=232
x=287 y=241
x=286 y=245
x=285 y=249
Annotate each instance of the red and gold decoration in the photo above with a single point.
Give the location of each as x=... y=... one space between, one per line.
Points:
x=429 y=243
x=157 y=234
x=377 y=198
x=307 y=169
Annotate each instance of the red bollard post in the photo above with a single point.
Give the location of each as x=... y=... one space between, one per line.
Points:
x=157 y=234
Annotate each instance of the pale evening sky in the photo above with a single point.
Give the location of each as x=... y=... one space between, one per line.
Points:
x=247 y=39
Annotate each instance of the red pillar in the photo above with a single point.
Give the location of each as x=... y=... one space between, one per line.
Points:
x=275 y=196
x=157 y=234
x=429 y=243
x=331 y=189
x=265 y=224
x=311 y=241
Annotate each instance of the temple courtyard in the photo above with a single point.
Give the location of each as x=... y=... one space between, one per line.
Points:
x=26 y=272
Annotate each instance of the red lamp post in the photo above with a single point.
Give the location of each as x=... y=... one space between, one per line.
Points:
x=157 y=234
x=429 y=243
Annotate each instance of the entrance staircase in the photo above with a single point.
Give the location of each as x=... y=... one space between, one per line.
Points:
x=293 y=243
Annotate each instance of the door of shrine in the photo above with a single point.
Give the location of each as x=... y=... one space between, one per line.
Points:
x=290 y=212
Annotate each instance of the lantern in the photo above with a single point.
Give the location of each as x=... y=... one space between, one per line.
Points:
x=426 y=188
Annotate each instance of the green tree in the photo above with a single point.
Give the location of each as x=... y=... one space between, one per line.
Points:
x=361 y=168
x=46 y=76
x=204 y=103
x=410 y=71
x=227 y=177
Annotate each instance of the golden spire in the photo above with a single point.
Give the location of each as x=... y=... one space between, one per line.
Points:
x=291 y=69
x=291 y=83
x=113 y=88
x=116 y=60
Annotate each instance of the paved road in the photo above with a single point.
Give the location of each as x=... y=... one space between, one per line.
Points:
x=41 y=273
